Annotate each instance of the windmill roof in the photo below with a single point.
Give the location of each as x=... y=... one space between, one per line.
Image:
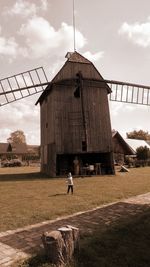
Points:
x=76 y=57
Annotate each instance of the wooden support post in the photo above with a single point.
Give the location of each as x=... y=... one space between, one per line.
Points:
x=76 y=236
x=60 y=245
x=68 y=243
x=54 y=245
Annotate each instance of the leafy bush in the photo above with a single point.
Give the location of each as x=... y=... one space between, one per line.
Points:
x=143 y=152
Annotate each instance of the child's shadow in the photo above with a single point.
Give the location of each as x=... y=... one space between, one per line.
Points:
x=57 y=195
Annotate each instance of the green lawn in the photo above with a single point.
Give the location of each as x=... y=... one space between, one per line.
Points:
x=28 y=197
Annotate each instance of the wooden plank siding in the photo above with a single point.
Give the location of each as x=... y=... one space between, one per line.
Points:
x=62 y=127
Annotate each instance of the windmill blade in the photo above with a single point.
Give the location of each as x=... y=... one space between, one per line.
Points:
x=129 y=92
x=22 y=85
x=33 y=81
x=120 y=91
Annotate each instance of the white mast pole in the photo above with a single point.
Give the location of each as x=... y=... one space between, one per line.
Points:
x=74 y=30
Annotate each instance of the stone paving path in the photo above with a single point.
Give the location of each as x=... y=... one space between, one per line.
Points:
x=24 y=242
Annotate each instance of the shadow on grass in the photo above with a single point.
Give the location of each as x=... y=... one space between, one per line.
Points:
x=57 y=195
x=37 y=261
x=23 y=176
x=124 y=245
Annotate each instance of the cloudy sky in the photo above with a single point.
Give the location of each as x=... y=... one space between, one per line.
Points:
x=114 y=35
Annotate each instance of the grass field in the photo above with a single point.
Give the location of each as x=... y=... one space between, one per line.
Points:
x=28 y=197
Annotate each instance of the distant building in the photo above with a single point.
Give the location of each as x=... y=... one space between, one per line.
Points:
x=121 y=148
x=135 y=143
x=148 y=142
x=5 y=149
x=11 y=150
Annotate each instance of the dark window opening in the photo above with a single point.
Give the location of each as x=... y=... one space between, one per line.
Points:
x=46 y=124
x=84 y=146
x=77 y=92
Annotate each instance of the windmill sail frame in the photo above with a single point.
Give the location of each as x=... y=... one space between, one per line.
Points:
x=129 y=92
x=31 y=82
x=22 y=85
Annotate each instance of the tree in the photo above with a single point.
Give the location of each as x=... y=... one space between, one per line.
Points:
x=17 y=137
x=142 y=153
x=141 y=135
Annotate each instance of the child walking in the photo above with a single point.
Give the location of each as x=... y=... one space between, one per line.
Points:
x=70 y=183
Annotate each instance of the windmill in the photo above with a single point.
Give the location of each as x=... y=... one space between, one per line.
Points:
x=69 y=131
x=75 y=122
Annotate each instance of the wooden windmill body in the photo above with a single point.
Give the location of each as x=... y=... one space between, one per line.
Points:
x=75 y=120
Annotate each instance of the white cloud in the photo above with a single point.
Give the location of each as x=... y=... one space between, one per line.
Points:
x=65 y=37
x=8 y=46
x=25 y=8
x=137 y=33
x=55 y=67
x=115 y=108
x=18 y=116
x=119 y=107
x=93 y=57
x=44 y=4
x=4 y=134
x=42 y=39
